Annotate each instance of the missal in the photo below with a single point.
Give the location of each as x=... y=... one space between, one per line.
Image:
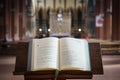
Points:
x=53 y=53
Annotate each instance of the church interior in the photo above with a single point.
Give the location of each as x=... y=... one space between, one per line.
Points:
x=97 y=21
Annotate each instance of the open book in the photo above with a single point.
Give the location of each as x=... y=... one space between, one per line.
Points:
x=58 y=54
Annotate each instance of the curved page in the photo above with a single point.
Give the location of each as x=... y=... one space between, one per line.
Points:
x=45 y=54
x=74 y=54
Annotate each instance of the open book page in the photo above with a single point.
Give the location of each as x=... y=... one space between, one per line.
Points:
x=45 y=54
x=74 y=54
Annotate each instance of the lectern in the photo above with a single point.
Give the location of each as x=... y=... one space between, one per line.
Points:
x=21 y=66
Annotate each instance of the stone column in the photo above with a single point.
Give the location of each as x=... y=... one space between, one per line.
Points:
x=107 y=23
x=99 y=10
x=8 y=33
x=31 y=20
x=16 y=20
x=22 y=18
x=115 y=20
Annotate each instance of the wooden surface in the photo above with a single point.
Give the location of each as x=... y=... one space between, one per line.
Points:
x=108 y=47
x=21 y=58
x=40 y=75
x=74 y=74
x=21 y=65
x=8 y=48
x=96 y=58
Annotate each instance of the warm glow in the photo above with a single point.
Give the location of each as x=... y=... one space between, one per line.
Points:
x=79 y=30
x=40 y=29
x=48 y=30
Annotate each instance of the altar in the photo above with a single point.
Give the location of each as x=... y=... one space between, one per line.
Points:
x=60 y=23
